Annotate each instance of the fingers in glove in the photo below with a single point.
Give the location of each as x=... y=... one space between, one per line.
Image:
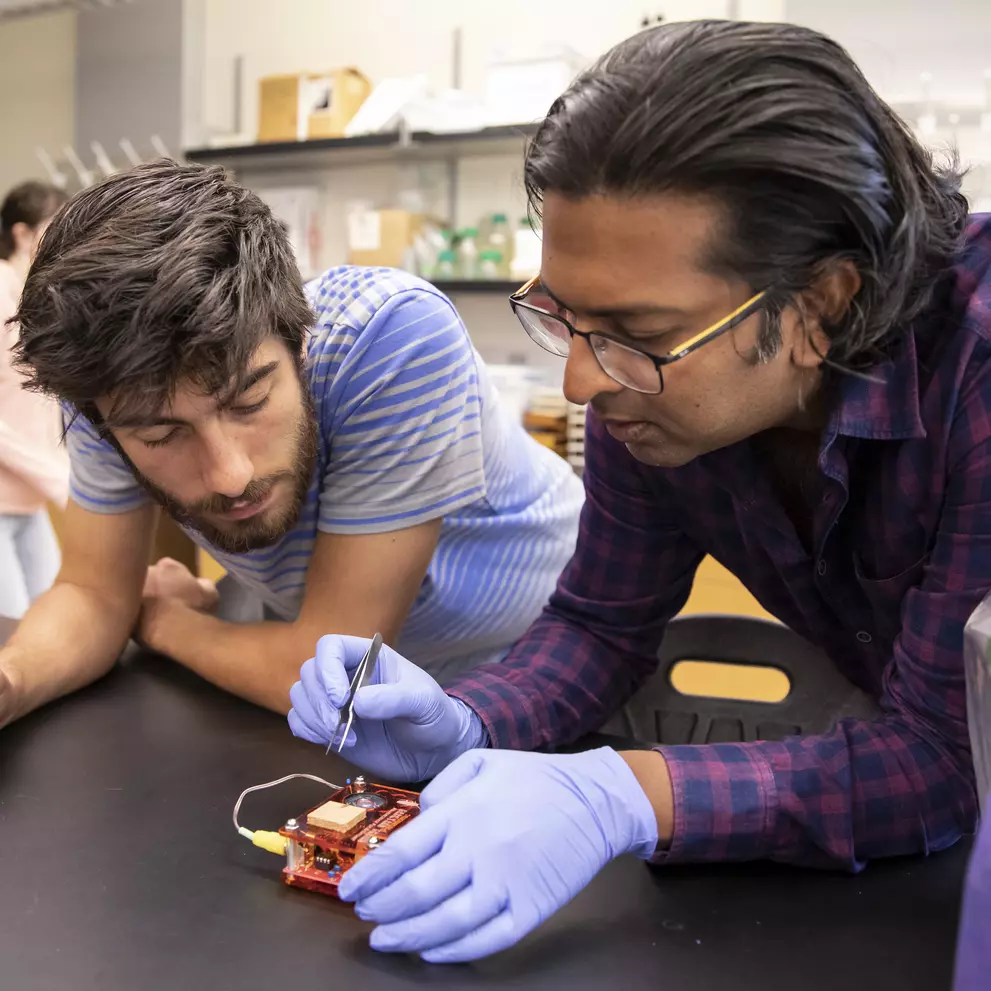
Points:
x=329 y=667
x=300 y=729
x=499 y=933
x=324 y=704
x=412 y=846
x=453 y=778
x=418 y=890
x=320 y=721
x=449 y=922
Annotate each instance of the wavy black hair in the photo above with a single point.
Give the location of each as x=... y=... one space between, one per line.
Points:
x=779 y=126
x=160 y=274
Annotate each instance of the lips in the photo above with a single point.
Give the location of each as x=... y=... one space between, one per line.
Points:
x=244 y=510
x=627 y=431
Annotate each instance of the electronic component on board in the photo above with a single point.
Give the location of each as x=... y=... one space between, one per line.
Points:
x=324 y=843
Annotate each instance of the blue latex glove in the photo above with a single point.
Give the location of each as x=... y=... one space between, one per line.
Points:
x=405 y=728
x=505 y=839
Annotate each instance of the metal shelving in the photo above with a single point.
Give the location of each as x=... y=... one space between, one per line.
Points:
x=327 y=153
x=496 y=287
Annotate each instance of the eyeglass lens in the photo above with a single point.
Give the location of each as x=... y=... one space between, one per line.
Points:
x=625 y=365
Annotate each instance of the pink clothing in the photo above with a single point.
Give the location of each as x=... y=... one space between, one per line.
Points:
x=34 y=466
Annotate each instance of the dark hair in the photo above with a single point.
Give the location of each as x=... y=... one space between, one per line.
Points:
x=779 y=126
x=30 y=203
x=159 y=274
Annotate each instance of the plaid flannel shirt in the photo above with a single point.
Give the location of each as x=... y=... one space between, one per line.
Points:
x=901 y=557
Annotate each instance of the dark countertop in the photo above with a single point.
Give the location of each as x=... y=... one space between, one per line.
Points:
x=121 y=871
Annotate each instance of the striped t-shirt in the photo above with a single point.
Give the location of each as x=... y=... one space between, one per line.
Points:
x=410 y=430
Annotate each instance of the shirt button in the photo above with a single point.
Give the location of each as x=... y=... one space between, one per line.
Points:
x=863 y=636
x=821 y=567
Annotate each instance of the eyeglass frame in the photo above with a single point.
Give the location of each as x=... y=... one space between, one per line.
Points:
x=734 y=319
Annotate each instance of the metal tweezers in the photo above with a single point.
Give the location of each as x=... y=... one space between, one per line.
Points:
x=365 y=666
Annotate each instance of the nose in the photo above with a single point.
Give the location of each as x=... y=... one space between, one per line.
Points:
x=225 y=466
x=584 y=378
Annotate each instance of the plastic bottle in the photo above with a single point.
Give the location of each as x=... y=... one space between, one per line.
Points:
x=526 y=252
x=490 y=264
x=468 y=254
x=500 y=239
x=484 y=228
x=446 y=265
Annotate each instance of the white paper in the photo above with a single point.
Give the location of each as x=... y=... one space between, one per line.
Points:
x=299 y=208
x=364 y=230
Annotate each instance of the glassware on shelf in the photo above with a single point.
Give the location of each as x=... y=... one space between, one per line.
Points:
x=446 y=267
x=490 y=265
x=500 y=239
x=468 y=254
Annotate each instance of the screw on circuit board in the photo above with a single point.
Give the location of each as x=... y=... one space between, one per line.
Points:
x=292 y=824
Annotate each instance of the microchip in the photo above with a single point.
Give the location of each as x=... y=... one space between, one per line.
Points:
x=335 y=816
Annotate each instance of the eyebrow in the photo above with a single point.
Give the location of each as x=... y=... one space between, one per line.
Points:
x=627 y=310
x=138 y=422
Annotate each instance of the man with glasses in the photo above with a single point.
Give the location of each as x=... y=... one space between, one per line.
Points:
x=780 y=315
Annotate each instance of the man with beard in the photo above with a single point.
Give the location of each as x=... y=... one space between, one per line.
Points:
x=338 y=450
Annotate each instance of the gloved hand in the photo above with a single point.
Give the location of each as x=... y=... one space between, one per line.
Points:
x=405 y=728
x=504 y=840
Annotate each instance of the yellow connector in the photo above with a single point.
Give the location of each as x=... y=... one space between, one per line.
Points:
x=265 y=839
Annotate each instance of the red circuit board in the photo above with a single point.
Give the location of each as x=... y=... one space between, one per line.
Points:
x=318 y=858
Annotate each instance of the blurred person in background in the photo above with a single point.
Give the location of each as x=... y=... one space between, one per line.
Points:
x=34 y=470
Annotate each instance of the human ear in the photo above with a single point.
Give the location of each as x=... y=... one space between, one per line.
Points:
x=821 y=305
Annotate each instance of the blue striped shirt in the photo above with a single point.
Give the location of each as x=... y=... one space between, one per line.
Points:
x=410 y=430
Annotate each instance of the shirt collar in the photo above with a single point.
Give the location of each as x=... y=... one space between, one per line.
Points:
x=886 y=406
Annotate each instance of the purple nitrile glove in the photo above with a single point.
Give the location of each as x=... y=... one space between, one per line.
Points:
x=504 y=840
x=405 y=728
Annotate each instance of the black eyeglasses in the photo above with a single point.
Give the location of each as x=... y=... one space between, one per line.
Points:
x=629 y=366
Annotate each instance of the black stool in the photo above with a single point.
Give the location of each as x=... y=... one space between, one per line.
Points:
x=819 y=694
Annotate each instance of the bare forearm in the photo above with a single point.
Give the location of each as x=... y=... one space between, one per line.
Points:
x=651 y=771
x=71 y=636
x=257 y=661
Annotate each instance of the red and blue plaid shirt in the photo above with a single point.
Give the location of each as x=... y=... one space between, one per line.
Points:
x=902 y=556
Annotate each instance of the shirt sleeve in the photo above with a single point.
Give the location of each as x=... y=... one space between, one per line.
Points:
x=597 y=640
x=900 y=784
x=98 y=478
x=404 y=420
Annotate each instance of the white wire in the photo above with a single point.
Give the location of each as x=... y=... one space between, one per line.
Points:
x=272 y=784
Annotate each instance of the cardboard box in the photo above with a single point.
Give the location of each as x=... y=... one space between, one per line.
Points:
x=382 y=237
x=305 y=106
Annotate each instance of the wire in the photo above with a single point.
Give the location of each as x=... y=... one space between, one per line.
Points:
x=272 y=842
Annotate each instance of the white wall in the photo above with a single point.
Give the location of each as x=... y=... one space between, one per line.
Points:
x=37 y=69
x=400 y=37
x=894 y=42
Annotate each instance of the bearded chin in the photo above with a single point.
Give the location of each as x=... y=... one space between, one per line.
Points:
x=251 y=534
